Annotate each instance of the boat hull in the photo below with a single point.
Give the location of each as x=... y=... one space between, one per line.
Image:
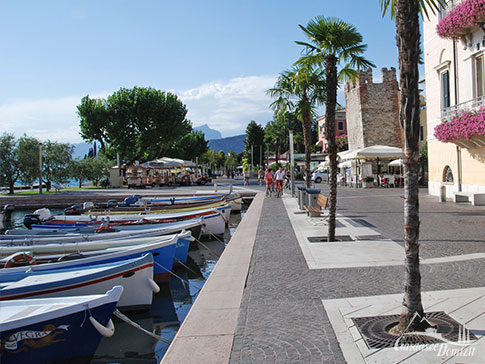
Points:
x=61 y=336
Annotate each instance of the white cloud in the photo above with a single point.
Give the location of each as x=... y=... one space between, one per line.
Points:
x=224 y=106
x=230 y=106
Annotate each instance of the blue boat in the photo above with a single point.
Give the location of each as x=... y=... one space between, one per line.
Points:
x=181 y=250
x=55 y=330
x=162 y=249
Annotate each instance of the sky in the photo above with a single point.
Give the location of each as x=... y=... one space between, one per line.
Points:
x=218 y=56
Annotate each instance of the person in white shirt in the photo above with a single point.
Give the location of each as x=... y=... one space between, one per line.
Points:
x=280 y=177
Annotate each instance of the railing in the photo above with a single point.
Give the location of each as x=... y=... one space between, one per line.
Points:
x=471 y=105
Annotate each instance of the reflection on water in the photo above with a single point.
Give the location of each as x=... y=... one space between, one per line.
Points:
x=169 y=308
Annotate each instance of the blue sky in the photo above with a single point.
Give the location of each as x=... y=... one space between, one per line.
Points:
x=218 y=56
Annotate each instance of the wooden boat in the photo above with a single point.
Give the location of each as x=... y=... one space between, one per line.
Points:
x=163 y=256
x=55 y=330
x=214 y=220
x=114 y=232
x=135 y=275
x=179 y=200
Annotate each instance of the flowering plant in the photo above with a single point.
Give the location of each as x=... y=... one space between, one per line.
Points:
x=462 y=126
x=342 y=142
x=467 y=14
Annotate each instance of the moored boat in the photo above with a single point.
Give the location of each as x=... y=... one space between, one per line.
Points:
x=135 y=275
x=55 y=330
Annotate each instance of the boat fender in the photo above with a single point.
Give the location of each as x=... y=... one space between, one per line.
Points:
x=19 y=257
x=106 y=331
x=155 y=287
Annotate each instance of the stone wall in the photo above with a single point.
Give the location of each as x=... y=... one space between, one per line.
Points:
x=373 y=111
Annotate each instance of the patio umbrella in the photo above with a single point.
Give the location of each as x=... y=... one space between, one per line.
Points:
x=373 y=152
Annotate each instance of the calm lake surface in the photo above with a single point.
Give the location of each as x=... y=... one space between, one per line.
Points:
x=169 y=308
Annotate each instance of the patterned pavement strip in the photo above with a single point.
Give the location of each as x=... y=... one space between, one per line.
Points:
x=282 y=319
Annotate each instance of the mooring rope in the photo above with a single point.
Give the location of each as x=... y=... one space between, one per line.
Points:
x=209 y=249
x=187 y=267
x=126 y=319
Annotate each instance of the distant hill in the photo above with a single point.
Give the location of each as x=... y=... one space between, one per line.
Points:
x=234 y=143
x=210 y=134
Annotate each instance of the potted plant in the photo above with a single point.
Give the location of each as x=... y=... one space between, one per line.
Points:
x=368 y=182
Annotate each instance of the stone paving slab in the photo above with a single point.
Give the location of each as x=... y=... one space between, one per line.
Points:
x=464 y=305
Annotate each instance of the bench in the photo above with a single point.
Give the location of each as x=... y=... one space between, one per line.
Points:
x=223 y=181
x=322 y=203
x=477 y=199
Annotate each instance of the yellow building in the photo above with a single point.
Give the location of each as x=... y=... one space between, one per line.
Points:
x=455 y=88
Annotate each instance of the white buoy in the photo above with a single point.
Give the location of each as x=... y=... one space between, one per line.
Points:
x=106 y=331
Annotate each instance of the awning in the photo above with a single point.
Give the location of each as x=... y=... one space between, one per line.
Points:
x=373 y=152
x=346 y=164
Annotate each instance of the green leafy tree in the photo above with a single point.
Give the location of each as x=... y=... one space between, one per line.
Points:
x=406 y=14
x=189 y=147
x=94 y=119
x=78 y=170
x=300 y=90
x=138 y=123
x=254 y=138
x=55 y=159
x=333 y=43
x=9 y=166
x=28 y=159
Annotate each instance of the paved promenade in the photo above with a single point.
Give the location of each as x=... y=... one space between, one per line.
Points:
x=299 y=297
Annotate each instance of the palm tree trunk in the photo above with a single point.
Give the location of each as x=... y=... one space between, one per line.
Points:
x=307 y=136
x=408 y=42
x=307 y=119
x=330 y=105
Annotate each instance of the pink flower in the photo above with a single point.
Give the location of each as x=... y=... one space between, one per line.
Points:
x=467 y=14
x=462 y=126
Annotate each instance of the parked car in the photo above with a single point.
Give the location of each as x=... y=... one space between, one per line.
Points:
x=319 y=175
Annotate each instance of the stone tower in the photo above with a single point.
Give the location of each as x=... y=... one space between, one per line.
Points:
x=373 y=111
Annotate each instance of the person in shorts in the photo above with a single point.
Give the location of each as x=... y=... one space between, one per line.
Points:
x=280 y=177
x=268 y=177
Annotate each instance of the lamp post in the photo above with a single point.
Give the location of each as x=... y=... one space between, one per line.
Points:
x=292 y=163
x=40 y=168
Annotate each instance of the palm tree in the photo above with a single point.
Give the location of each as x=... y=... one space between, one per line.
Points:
x=333 y=43
x=300 y=90
x=406 y=13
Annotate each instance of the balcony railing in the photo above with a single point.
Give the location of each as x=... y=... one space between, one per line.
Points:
x=471 y=105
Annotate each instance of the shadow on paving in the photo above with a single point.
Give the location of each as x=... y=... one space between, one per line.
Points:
x=282 y=319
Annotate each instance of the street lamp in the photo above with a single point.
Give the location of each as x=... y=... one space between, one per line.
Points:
x=40 y=168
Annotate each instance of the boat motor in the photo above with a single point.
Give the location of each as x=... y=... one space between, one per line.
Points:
x=30 y=219
x=73 y=210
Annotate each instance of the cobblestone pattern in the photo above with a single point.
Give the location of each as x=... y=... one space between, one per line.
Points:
x=282 y=319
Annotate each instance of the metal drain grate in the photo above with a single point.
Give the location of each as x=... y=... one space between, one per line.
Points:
x=375 y=330
x=323 y=239
x=369 y=237
x=360 y=222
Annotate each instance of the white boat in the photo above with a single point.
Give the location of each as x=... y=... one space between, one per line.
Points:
x=60 y=330
x=135 y=275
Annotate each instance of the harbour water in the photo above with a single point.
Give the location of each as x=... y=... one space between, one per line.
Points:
x=170 y=306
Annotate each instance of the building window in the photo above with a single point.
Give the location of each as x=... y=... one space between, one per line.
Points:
x=340 y=125
x=445 y=89
x=421 y=133
x=448 y=175
x=479 y=76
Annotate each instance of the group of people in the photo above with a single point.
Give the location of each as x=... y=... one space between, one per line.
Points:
x=269 y=177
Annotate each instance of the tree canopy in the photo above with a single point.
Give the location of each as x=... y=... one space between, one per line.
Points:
x=138 y=123
x=254 y=138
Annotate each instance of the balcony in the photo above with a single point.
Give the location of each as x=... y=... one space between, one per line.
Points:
x=463 y=124
x=471 y=105
x=461 y=18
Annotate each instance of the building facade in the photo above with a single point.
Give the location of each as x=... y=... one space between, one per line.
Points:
x=340 y=128
x=373 y=111
x=454 y=51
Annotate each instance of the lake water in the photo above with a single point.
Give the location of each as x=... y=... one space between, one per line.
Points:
x=169 y=308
